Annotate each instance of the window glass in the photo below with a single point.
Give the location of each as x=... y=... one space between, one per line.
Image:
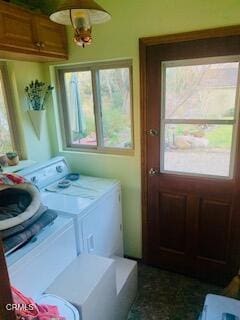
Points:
x=116 y=107
x=79 y=94
x=97 y=107
x=5 y=136
x=198 y=149
x=201 y=91
x=199 y=117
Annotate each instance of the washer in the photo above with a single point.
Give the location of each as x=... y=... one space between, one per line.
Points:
x=29 y=267
x=94 y=204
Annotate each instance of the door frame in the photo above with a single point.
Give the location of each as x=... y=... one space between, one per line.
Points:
x=144 y=44
x=5 y=289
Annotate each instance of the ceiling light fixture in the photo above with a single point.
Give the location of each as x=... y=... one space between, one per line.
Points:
x=81 y=14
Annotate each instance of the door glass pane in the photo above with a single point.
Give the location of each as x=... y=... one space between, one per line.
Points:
x=204 y=91
x=198 y=149
x=116 y=107
x=5 y=136
x=80 y=105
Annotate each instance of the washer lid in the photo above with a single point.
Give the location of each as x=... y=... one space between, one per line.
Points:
x=66 y=310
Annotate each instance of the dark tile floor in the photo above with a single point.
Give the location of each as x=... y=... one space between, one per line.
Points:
x=164 y=295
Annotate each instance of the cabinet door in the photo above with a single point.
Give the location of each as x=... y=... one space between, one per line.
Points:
x=51 y=36
x=16 y=29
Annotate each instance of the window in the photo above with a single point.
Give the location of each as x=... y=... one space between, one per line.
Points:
x=96 y=107
x=199 y=116
x=7 y=129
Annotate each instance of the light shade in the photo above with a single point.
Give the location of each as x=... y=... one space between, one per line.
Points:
x=94 y=11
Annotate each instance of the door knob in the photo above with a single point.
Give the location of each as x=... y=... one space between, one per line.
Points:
x=154 y=172
x=153 y=132
x=59 y=169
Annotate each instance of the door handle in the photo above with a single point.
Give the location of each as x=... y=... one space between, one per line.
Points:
x=153 y=132
x=154 y=172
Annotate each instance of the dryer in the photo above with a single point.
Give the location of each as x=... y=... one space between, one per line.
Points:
x=93 y=203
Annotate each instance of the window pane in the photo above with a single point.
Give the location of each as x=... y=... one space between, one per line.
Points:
x=5 y=137
x=198 y=149
x=80 y=108
x=116 y=107
x=201 y=91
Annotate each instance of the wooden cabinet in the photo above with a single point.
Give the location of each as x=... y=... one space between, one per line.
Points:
x=29 y=36
x=16 y=28
x=51 y=36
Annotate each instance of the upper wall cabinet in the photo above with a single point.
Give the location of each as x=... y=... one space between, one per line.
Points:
x=29 y=36
x=51 y=36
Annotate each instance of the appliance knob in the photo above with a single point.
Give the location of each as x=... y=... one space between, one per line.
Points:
x=59 y=169
x=34 y=180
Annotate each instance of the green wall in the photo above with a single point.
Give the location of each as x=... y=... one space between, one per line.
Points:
x=118 y=39
x=20 y=74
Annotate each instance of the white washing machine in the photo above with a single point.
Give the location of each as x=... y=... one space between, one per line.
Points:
x=30 y=268
x=93 y=203
x=33 y=267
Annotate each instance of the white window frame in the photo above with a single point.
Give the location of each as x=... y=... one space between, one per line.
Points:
x=94 y=68
x=11 y=112
x=234 y=122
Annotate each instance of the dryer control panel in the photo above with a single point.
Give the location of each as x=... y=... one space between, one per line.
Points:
x=52 y=171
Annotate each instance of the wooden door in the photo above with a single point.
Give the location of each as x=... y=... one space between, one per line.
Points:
x=51 y=36
x=191 y=178
x=17 y=29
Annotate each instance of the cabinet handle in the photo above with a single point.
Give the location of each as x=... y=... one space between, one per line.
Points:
x=38 y=44
x=42 y=44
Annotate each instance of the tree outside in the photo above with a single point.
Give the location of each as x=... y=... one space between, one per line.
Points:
x=5 y=137
x=205 y=94
x=115 y=100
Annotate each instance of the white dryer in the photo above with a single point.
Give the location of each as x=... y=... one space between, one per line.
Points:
x=93 y=203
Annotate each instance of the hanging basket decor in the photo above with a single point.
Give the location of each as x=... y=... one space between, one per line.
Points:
x=37 y=93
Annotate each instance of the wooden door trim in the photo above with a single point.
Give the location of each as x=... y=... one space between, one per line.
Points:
x=192 y=35
x=5 y=291
x=144 y=44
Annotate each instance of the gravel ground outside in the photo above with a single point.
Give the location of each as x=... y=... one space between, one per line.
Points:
x=198 y=161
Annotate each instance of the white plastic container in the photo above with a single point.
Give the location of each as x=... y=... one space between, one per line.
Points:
x=220 y=308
